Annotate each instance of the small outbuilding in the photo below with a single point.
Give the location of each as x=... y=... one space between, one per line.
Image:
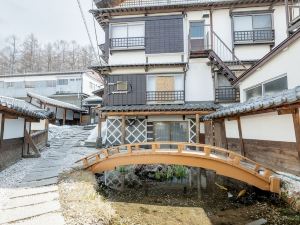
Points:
x=23 y=130
x=64 y=113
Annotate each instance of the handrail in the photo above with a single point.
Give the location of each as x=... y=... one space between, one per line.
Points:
x=201 y=150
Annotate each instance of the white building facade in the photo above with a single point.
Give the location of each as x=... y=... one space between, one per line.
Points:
x=70 y=87
x=162 y=54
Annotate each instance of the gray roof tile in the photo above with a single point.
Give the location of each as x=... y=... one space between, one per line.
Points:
x=286 y=97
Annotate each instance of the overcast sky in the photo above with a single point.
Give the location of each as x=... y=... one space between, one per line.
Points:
x=48 y=20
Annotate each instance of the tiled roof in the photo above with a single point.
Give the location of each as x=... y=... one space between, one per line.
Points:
x=202 y=106
x=23 y=108
x=271 y=101
x=54 y=102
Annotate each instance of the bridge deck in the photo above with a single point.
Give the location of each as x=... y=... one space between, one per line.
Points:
x=224 y=162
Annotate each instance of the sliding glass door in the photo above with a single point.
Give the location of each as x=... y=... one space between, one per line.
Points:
x=171 y=131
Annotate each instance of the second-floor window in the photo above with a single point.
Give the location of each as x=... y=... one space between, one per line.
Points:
x=165 y=88
x=253 y=28
x=62 y=82
x=127 y=35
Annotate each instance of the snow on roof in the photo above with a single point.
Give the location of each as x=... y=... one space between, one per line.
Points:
x=92 y=99
x=262 y=103
x=23 y=107
x=54 y=102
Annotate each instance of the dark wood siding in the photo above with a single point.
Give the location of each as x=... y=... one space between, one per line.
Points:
x=10 y=152
x=136 y=90
x=164 y=35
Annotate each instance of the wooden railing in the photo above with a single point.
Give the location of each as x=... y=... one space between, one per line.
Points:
x=202 y=150
x=227 y=94
x=165 y=96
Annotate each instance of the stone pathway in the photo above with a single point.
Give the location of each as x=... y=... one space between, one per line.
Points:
x=35 y=200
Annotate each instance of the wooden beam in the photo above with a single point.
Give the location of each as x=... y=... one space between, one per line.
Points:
x=151 y=113
x=296 y=120
x=123 y=130
x=197 y=128
x=29 y=140
x=285 y=111
x=241 y=137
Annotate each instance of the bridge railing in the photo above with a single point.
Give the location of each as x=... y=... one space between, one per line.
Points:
x=200 y=150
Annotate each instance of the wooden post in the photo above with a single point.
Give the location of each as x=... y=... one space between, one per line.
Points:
x=123 y=130
x=223 y=135
x=80 y=118
x=64 y=117
x=2 y=128
x=199 y=183
x=47 y=129
x=197 y=128
x=99 y=139
x=296 y=120
x=241 y=137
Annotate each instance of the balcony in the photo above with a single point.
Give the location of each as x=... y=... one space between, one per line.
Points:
x=227 y=95
x=165 y=96
x=138 y=3
x=127 y=43
x=254 y=36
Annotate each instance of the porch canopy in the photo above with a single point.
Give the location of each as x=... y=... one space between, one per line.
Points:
x=202 y=108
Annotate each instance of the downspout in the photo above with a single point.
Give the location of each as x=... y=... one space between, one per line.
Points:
x=287 y=17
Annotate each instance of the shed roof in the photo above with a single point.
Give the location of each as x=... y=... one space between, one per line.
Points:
x=201 y=106
x=55 y=102
x=22 y=108
x=284 y=98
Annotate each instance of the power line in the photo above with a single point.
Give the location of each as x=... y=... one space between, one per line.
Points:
x=88 y=33
x=96 y=35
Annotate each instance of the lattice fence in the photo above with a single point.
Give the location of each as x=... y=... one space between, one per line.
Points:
x=192 y=135
x=136 y=131
x=114 y=133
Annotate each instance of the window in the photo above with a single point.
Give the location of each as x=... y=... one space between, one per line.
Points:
x=9 y=84
x=275 y=86
x=267 y=88
x=253 y=28
x=29 y=84
x=253 y=92
x=197 y=30
x=62 y=82
x=51 y=83
x=171 y=131
x=127 y=35
x=122 y=86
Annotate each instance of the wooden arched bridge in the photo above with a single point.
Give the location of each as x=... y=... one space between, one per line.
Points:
x=224 y=162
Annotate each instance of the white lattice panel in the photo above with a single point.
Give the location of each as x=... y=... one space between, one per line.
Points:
x=192 y=131
x=114 y=133
x=136 y=131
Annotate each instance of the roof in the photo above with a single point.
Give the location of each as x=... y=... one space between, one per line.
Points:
x=101 y=68
x=274 y=52
x=119 y=6
x=201 y=106
x=22 y=108
x=287 y=97
x=92 y=101
x=55 y=102
x=42 y=74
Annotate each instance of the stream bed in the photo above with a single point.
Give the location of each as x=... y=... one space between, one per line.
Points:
x=161 y=203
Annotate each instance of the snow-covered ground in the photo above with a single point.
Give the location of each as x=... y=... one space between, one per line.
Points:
x=92 y=138
x=28 y=174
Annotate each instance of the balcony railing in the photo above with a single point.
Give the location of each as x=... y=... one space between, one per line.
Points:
x=127 y=43
x=253 y=36
x=227 y=94
x=165 y=96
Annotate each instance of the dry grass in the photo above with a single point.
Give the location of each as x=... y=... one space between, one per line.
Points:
x=81 y=204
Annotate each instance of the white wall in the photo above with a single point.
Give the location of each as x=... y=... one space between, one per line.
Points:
x=86 y=88
x=199 y=82
x=14 y=128
x=231 y=128
x=287 y=62
x=60 y=113
x=268 y=126
x=38 y=125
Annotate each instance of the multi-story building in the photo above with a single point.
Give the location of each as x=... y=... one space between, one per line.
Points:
x=70 y=87
x=171 y=61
